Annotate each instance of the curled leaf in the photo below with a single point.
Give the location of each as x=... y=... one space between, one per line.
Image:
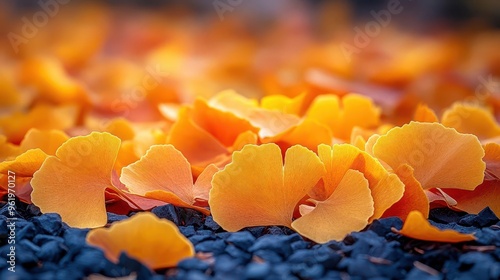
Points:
x=416 y=226
x=348 y=209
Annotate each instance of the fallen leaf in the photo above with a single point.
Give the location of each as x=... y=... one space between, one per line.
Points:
x=416 y=226
x=155 y=242
x=348 y=209
x=257 y=172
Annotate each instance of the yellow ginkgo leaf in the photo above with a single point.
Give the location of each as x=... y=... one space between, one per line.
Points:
x=386 y=189
x=256 y=189
x=72 y=183
x=155 y=242
x=348 y=209
x=471 y=119
x=440 y=156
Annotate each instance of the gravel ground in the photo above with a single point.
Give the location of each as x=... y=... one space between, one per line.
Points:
x=48 y=249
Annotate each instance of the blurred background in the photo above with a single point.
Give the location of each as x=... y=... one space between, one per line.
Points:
x=96 y=53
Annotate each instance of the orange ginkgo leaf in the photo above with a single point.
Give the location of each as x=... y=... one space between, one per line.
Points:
x=224 y=126
x=485 y=195
x=425 y=114
x=52 y=82
x=42 y=116
x=231 y=101
x=277 y=120
x=348 y=209
x=165 y=174
x=386 y=188
x=46 y=140
x=196 y=144
x=284 y=104
x=72 y=183
x=414 y=197
x=155 y=242
x=341 y=116
x=22 y=189
x=35 y=147
x=120 y=201
x=257 y=172
x=121 y=128
x=199 y=146
x=25 y=164
x=416 y=226
x=440 y=156
x=492 y=159
x=308 y=133
x=466 y=118
x=8 y=150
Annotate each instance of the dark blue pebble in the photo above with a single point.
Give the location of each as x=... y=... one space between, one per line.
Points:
x=417 y=274
x=268 y=255
x=214 y=246
x=202 y=235
x=166 y=212
x=115 y=218
x=383 y=227
x=280 y=244
x=41 y=239
x=192 y=275
x=257 y=270
x=242 y=240
x=193 y=264
x=48 y=223
x=51 y=251
x=187 y=231
x=305 y=271
x=483 y=219
x=237 y=253
x=211 y=224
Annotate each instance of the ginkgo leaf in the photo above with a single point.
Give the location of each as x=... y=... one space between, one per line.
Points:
x=341 y=116
x=121 y=128
x=307 y=133
x=272 y=123
x=257 y=172
x=485 y=195
x=425 y=114
x=72 y=183
x=46 y=140
x=414 y=197
x=36 y=146
x=471 y=119
x=196 y=144
x=348 y=209
x=8 y=150
x=492 y=159
x=41 y=116
x=22 y=186
x=53 y=83
x=165 y=174
x=231 y=101
x=440 y=156
x=284 y=104
x=155 y=242
x=224 y=126
x=25 y=164
x=386 y=189
x=416 y=226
